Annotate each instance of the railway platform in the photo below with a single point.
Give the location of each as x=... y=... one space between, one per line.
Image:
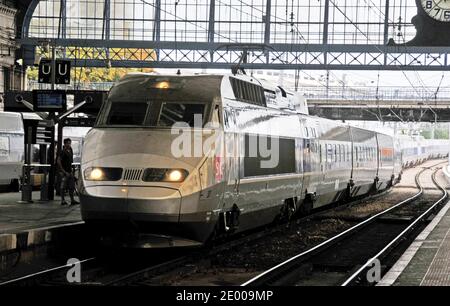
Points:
x=427 y=260
x=23 y=225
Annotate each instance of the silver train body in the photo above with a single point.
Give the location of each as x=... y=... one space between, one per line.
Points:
x=415 y=149
x=11 y=149
x=133 y=180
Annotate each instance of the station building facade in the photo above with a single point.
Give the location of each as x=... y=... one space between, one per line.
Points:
x=10 y=76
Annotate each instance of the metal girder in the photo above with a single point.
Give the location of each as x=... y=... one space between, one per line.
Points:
x=94 y=53
x=267 y=20
x=106 y=28
x=236 y=46
x=62 y=28
x=211 y=23
x=212 y=54
x=386 y=23
x=157 y=22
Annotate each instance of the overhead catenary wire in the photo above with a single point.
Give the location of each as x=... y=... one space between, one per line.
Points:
x=383 y=15
x=381 y=51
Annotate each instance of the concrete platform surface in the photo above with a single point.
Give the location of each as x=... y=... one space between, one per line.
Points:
x=15 y=217
x=427 y=261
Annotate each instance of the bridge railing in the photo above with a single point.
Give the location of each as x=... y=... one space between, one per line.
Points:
x=366 y=93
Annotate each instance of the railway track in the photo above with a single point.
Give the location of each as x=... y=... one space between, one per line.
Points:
x=96 y=272
x=362 y=253
x=94 y=266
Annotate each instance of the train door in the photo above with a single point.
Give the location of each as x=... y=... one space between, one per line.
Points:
x=232 y=166
x=315 y=156
x=379 y=160
x=310 y=156
x=306 y=158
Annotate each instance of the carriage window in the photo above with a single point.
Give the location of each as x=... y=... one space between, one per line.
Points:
x=320 y=153
x=338 y=153
x=335 y=154
x=329 y=152
x=172 y=113
x=127 y=113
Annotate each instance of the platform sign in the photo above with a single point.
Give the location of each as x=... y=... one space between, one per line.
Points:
x=62 y=75
x=79 y=122
x=49 y=100
x=44 y=132
x=39 y=131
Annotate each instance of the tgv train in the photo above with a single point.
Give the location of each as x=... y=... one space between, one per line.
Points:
x=416 y=149
x=242 y=153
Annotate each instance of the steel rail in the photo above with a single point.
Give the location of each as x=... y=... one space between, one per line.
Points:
x=43 y=272
x=272 y=273
x=355 y=276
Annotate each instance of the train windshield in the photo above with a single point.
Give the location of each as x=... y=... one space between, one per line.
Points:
x=126 y=113
x=171 y=113
x=153 y=114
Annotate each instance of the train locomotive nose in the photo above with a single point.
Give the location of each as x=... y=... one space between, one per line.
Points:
x=130 y=203
x=154 y=204
x=145 y=216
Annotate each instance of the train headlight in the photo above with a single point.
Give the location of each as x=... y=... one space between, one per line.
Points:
x=175 y=175
x=96 y=174
x=102 y=174
x=163 y=85
x=165 y=175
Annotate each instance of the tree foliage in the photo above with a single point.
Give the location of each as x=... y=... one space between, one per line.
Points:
x=438 y=134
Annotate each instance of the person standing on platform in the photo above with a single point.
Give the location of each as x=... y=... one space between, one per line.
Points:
x=64 y=162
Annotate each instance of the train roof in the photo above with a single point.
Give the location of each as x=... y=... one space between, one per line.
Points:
x=208 y=86
x=138 y=86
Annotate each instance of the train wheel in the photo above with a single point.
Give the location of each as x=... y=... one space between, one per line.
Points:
x=391 y=182
x=288 y=210
x=307 y=206
x=374 y=188
x=348 y=193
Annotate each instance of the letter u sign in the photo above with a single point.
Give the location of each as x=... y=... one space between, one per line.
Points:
x=62 y=73
x=63 y=69
x=46 y=69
